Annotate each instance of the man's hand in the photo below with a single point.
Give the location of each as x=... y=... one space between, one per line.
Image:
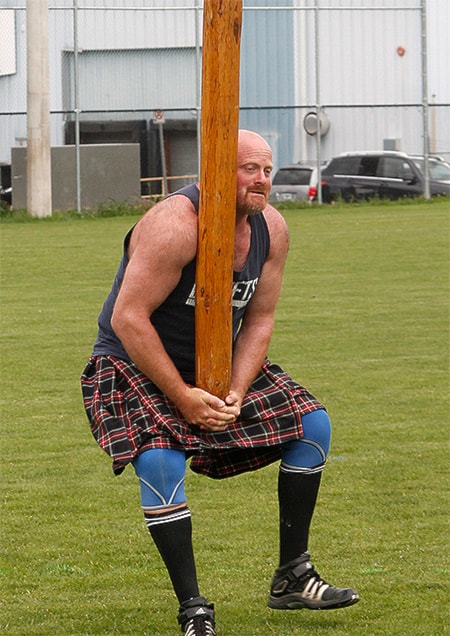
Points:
x=208 y=411
x=234 y=400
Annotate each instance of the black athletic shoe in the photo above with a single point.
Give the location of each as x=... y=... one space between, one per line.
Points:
x=297 y=585
x=196 y=617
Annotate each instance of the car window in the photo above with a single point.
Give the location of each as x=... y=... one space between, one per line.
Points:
x=368 y=167
x=343 y=165
x=438 y=169
x=292 y=176
x=393 y=167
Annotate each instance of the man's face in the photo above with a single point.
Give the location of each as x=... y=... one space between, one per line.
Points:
x=253 y=177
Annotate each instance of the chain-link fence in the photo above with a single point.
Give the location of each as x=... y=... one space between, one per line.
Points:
x=129 y=71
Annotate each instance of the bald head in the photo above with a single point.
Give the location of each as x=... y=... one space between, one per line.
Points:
x=251 y=139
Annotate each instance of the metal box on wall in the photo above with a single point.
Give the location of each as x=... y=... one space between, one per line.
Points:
x=108 y=172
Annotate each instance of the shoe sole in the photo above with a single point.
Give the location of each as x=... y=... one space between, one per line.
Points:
x=293 y=602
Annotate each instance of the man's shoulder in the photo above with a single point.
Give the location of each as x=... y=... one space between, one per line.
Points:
x=278 y=229
x=274 y=219
x=177 y=207
x=171 y=224
x=191 y=192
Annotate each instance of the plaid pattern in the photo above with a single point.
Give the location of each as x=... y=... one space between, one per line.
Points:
x=128 y=414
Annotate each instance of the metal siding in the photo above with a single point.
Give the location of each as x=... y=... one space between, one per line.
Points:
x=266 y=58
x=277 y=68
x=359 y=64
x=362 y=65
x=366 y=128
x=267 y=74
x=438 y=20
x=106 y=30
x=367 y=4
x=148 y=80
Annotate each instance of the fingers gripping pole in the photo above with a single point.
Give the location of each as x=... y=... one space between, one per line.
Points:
x=222 y=21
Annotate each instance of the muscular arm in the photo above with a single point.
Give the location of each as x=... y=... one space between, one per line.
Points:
x=253 y=340
x=162 y=243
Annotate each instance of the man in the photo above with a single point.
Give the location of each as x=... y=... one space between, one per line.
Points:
x=140 y=394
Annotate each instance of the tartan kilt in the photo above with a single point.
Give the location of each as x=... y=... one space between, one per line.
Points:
x=128 y=414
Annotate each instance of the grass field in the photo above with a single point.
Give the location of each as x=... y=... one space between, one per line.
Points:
x=363 y=322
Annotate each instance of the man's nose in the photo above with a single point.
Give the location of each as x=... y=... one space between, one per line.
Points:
x=262 y=176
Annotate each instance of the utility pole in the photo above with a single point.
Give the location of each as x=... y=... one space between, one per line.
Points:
x=39 y=183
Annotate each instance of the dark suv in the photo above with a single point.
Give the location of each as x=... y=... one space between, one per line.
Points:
x=388 y=175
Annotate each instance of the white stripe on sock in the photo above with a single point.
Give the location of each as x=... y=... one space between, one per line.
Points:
x=170 y=518
x=287 y=468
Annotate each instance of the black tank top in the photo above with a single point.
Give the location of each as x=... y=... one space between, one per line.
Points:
x=174 y=319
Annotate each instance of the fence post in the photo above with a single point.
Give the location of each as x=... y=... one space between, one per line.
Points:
x=425 y=105
x=318 y=104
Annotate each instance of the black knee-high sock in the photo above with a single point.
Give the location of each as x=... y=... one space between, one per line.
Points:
x=172 y=534
x=297 y=495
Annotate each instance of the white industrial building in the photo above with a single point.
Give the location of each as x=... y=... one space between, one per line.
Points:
x=376 y=70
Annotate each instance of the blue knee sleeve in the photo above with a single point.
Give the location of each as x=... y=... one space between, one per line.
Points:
x=161 y=473
x=311 y=451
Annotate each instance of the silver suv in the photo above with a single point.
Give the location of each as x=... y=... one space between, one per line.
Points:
x=296 y=182
x=438 y=168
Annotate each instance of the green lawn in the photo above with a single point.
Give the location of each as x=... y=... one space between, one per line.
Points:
x=363 y=322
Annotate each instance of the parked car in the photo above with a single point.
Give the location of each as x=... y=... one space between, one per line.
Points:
x=388 y=175
x=439 y=169
x=5 y=183
x=5 y=195
x=296 y=182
